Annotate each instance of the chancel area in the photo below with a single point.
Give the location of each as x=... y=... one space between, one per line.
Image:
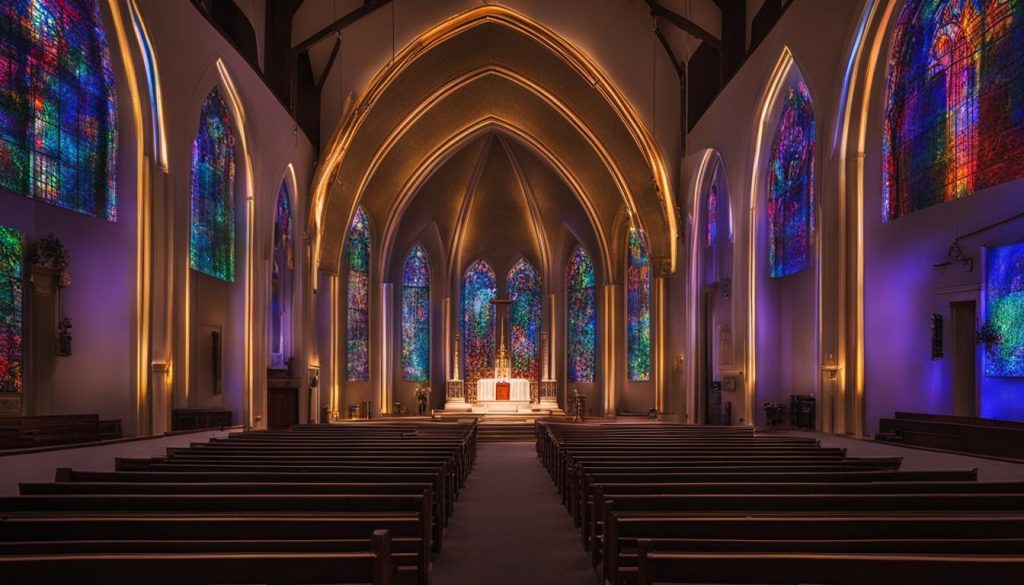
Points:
x=529 y=291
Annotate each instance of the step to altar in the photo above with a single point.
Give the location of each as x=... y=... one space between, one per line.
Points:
x=500 y=409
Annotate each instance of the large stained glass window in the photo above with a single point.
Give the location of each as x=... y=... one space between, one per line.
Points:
x=11 y=281
x=954 y=119
x=479 y=288
x=416 y=315
x=1004 y=310
x=280 y=283
x=523 y=288
x=581 y=317
x=638 y=309
x=58 y=107
x=791 y=186
x=212 y=245
x=357 y=297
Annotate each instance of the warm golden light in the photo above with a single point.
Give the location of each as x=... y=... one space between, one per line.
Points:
x=240 y=123
x=585 y=67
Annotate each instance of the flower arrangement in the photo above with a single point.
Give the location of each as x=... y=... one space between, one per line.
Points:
x=422 y=392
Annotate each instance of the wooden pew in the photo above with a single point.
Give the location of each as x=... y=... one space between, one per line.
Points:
x=836 y=569
x=373 y=566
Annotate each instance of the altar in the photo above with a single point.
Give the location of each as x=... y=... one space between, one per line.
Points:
x=487 y=389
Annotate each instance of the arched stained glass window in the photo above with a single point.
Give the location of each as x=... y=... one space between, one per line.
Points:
x=58 y=106
x=212 y=239
x=522 y=285
x=791 y=186
x=638 y=309
x=479 y=288
x=954 y=118
x=711 y=213
x=357 y=297
x=416 y=315
x=280 y=284
x=581 y=317
x=11 y=283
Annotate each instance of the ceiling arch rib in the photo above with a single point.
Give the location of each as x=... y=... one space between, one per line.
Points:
x=513 y=70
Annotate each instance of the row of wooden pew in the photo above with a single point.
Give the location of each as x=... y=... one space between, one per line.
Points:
x=348 y=503
x=663 y=503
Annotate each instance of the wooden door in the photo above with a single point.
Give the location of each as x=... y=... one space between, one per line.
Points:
x=282 y=407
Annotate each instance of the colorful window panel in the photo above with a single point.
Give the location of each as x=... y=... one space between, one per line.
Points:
x=638 y=309
x=479 y=288
x=58 y=107
x=357 y=298
x=791 y=186
x=283 y=225
x=711 y=229
x=416 y=315
x=954 y=119
x=11 y=282
x=523 y=288
x=1004 y=310
x=212 y=245
x=581 y=317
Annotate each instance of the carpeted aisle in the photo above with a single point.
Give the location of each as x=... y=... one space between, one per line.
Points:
x=509 y=527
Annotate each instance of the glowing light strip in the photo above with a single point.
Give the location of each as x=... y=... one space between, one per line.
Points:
x=694 y=304
x=777 y=78
x=587 y=68
x=240 y=123
x=156 y=106
x=429 y=163
x=143 y=277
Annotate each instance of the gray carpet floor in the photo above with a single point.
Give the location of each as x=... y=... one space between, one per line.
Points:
x=509 y=527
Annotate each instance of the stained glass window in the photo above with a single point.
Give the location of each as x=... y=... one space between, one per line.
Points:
x=791 y=186
x=581 y=317
x=357 y=297
x=523 y=288
x=212 y=246
x=58 y=107
x=11 y=282
x=954 y=119
x=479 y=288
x=638 y=309
x=416 y=315
x=280 y=284
x=711 y=213
x=1004 y=310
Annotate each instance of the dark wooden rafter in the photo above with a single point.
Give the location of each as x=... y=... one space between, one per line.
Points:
x=330 y=63
x=680 y=70
x=687 y=25
x=368 y=7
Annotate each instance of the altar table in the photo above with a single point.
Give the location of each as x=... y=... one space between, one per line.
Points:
x=519 y=390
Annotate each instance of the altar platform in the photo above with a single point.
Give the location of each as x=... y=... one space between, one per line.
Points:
x=500 y=407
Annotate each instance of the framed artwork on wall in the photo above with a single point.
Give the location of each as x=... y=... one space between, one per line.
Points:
x=1002 y=328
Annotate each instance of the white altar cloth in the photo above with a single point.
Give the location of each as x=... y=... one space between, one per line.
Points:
x=519 y=389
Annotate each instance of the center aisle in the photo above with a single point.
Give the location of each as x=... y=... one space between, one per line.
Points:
x=509 y=528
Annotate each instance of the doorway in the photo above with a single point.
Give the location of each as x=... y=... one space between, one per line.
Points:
x=965 y=358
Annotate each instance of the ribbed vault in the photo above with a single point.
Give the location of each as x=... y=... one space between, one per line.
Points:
x=485 y=70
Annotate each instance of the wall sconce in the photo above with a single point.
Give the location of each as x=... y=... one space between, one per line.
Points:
x=831 y=368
